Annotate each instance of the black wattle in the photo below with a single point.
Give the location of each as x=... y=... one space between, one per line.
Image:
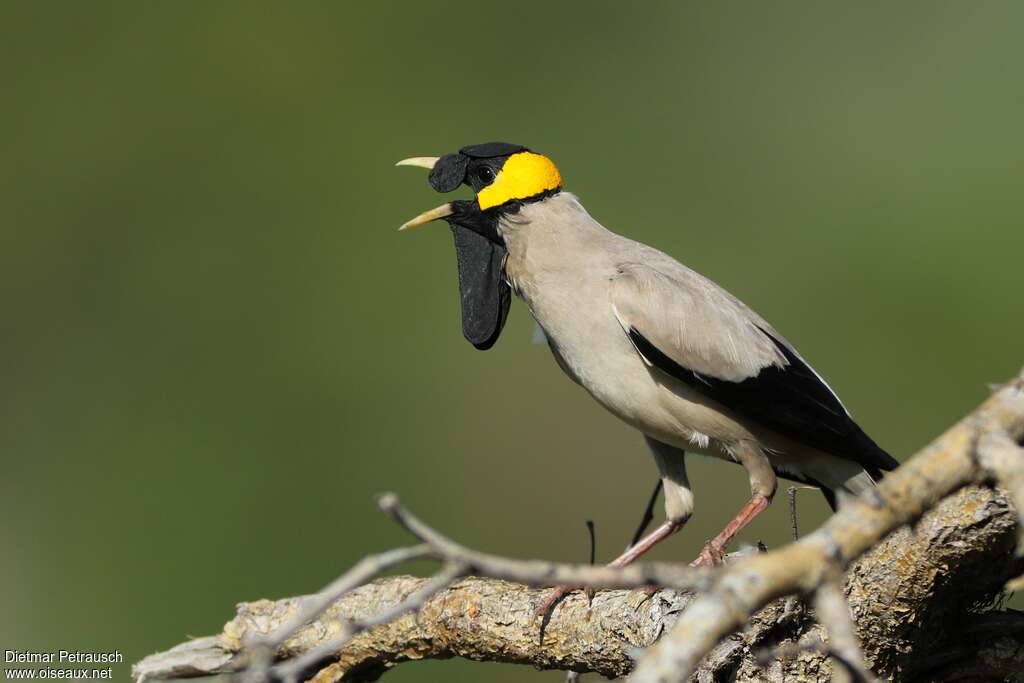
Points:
x=485 y=295
x=448 y=173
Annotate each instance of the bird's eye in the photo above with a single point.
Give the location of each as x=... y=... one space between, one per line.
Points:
x=485 y=174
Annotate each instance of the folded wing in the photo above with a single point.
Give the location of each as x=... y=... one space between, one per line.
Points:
x=689 y=328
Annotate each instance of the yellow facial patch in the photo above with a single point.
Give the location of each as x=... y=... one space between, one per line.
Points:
x=524 y=175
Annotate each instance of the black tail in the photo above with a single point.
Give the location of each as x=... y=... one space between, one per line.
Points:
x=872 y=457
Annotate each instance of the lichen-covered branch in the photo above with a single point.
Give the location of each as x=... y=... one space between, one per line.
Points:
x=480 y=619
x=961 y=554
x=910 y=595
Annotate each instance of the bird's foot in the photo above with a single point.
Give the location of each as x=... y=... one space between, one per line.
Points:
x=641 y=595
x=547 y=606
x=710 y=556
x=713 y=552
x=557 y=594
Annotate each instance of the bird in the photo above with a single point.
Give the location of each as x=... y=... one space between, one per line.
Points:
x=660 y=346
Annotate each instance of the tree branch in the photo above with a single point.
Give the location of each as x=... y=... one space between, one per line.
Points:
x=946 y=465
x=908 y=597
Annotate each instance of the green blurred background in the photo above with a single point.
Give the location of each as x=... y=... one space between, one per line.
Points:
x=216 y=349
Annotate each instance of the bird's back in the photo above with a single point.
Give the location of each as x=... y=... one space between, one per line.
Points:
x=576 y=276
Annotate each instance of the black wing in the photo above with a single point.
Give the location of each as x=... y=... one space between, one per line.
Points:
x=791 y=400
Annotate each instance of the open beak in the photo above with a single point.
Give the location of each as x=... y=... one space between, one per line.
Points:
x=442 y=211
x=421 y=162
x=483 y=290
x=427 y=216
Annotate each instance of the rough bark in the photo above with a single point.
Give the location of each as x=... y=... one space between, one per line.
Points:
x=910 y=597
x=924 y=551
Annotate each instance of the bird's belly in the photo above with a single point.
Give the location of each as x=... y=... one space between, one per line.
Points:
x=598 y=356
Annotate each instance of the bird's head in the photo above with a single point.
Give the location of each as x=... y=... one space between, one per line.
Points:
x=504 y=177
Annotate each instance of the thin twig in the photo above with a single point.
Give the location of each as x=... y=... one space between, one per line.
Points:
x=645 y=521
x=791 y=492
x=260 y=653
x=364 y=570
x=593 y=541
x=290 y=670
x=540 y=573
x=588 y=591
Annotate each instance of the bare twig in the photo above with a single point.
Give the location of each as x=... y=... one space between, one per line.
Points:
x=540 y=573
x=645 y=520
x=593 y=541
x=791 y=492
x=364 y=570
x=261 y=651
x=289 y=671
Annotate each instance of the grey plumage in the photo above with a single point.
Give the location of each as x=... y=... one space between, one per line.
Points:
x=588 y=287
x=660 y=346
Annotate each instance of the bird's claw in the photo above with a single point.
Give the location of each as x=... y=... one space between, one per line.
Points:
x=548 y=604
x=641 y=595
x=710 y=556
x=557 y=594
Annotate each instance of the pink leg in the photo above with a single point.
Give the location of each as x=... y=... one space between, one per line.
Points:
x=635 y=552
x=712 y=552
x=631 y=555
